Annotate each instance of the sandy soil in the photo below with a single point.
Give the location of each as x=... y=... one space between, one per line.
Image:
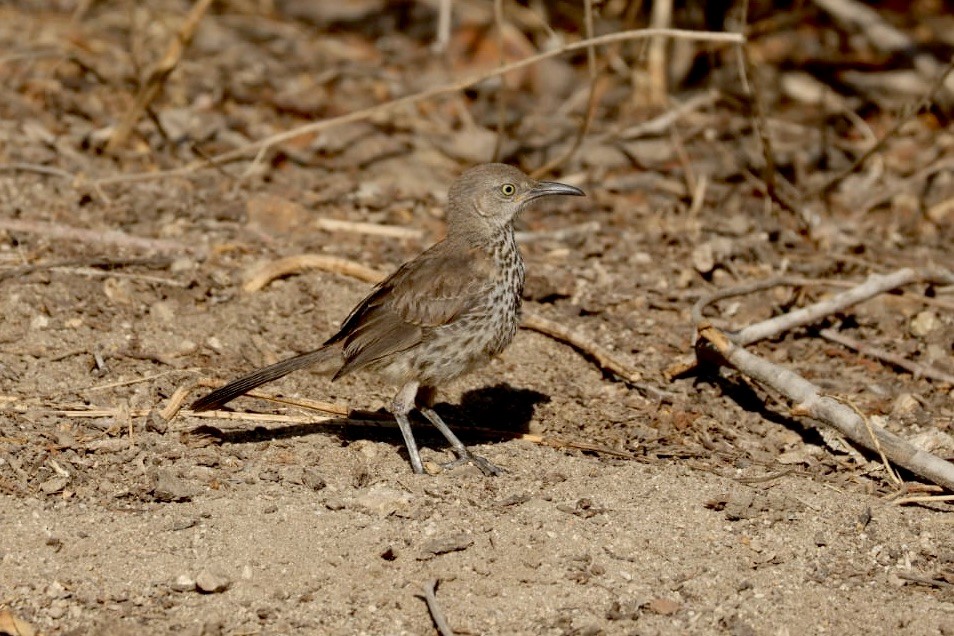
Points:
x=710 y=510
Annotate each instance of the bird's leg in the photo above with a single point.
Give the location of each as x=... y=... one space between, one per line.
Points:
x=401 y=405
x=425 y=403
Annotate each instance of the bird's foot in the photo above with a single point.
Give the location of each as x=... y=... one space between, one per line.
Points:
x=466 y=457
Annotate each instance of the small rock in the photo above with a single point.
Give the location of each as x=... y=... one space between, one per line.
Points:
x=39 y=322
x=335 y=503
x=169 y=487
x=163 y=311
x=450 y=543
x=382 y=500
x=663 y=606
x=209 y=582
x=924 y=323
x=269 y=474
x=312 y=479
x=183 y=583
x=904 y=404
x=54 y=484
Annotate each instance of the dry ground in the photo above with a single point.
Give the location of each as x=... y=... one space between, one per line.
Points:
x=718 y=513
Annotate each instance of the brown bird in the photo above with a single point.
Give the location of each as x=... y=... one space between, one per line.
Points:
x=440 y=315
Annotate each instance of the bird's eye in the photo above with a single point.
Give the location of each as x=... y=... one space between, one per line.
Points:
x=508 y=189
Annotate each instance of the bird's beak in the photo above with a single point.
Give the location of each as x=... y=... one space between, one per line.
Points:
x=546 y=188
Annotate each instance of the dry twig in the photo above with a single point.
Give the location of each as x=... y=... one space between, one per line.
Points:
x=366 y=113
x=157 y=78
x=916 y=369
x=809 y=401
x=99 y=237
x=591 y=101
x=428 y=593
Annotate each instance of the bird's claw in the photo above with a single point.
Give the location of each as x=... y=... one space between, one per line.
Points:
x=485 y=466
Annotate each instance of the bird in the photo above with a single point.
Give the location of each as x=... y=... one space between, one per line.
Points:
x=440 y=315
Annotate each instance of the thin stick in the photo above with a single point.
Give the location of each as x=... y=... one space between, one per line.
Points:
x=366 y=113
x=99 y=237
x=923 y=499
x=157 y=78
x=37 y=168
x=874 y=441
x=662 y=123
x=603 y=358
x=915 y=369
x=811 y=402
x=437 y=615
x=501 y=96
x=922 y=103
x=591 y=101
x=874 y=285
x=656 y=55
x=371 y=229
x=105 y=263
x=262 y=276
x=751 y=287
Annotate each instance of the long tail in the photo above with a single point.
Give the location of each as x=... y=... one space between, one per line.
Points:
x=256 y=378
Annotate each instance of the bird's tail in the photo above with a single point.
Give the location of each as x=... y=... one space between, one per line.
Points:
x=256 y=378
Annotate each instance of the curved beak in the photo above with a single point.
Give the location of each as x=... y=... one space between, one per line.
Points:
x=546 y=188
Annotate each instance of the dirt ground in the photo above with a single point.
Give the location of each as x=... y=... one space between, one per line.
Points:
x=695 y=506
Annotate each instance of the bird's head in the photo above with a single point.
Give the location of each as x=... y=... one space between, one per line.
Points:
x=485 y=199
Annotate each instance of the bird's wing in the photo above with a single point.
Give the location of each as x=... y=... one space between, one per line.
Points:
x=430 y=291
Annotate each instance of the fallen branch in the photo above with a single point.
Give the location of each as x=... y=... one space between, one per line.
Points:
x=874 y=285
x=809 y=401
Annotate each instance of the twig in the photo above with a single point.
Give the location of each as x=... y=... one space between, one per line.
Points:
x=591 y=101
x=810 y=402
x=751 y=287
x=371 y=229
x=874 y=440
x=501 y=95
x=874 y=285
x=437 y=615
x=917 y=370
x=922 y=103
x=104 y=263
x=366 y=113
x=37 y=168
x=662 y=123
x=923 y=499
x=99 y=237
x=263 y=275
x=157 y=78
x=656 y=55
x=603 y=358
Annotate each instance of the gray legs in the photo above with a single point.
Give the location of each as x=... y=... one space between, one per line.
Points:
x=412 y=394
x=400 y=407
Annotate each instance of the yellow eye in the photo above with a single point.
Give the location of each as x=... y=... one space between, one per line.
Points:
x=508 y=189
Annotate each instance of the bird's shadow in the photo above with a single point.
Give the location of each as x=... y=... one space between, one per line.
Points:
x=497 y=412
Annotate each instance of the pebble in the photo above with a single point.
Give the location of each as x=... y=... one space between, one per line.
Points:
x=183 y=583
x=924 y=323
x=209 y=582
